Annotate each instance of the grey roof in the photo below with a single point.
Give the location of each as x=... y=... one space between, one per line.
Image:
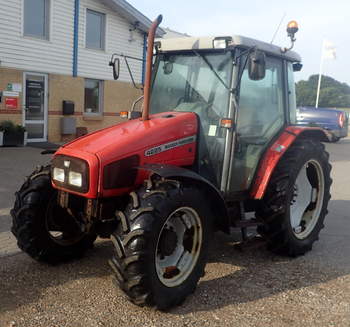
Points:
x=169 y=33
x=130 y=13
x=199 y=43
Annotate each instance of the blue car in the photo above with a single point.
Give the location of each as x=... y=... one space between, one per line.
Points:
x=334 y=121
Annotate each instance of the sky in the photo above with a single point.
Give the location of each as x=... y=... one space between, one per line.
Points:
x=259 y=19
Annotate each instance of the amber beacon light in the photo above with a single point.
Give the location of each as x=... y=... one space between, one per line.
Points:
x=292 y=28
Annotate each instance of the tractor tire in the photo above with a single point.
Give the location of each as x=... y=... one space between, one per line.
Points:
x=295 y=203
x=161 y=243
x=34 y=208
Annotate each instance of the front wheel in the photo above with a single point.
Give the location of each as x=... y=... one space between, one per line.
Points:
x=161 y=244
x=43 y=229
x=295 y=204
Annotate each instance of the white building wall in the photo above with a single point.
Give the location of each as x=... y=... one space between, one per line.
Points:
x=50 y=56
x=94 y=63
x=56 y=54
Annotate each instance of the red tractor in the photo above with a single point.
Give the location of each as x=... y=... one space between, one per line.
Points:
x=216 y=139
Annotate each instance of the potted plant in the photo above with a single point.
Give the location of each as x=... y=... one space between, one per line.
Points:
x=13 y=135
x=1 y=136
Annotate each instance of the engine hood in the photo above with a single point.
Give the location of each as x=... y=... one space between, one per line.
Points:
x=133 y=135
x=164 y=138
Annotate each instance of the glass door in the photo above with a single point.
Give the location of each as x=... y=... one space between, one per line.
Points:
x=35 y=106
x=261 y=115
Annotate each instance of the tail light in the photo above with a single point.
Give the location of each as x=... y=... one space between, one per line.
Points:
x=341 y=120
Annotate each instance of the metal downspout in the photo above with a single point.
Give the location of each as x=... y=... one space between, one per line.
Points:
x=144 y=57
x=76 y=37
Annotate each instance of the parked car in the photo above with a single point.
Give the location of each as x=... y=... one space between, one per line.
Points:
x=334 y=120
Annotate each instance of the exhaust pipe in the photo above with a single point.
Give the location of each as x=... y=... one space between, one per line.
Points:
x=149 y=61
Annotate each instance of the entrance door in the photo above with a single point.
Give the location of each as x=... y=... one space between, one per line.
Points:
x=35 y=106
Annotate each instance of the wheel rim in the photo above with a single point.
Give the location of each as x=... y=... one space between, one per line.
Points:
x=61 y=226
x=178 y=246
x=307 y=200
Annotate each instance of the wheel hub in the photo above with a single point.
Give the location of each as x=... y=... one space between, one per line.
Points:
x=307 y=199
x=178 y=246
x=167 y=242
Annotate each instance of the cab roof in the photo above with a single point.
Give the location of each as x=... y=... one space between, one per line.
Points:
x=206 y=43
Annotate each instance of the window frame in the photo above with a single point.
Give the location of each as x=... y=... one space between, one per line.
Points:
x=289 y=72
x=103 y=31
x=100 y=100
x=47 y=22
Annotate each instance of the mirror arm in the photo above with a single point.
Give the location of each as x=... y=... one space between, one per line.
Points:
x=116 y=54
x=240 y=74
x=131 y=75
x=136 y=102
x=248 y=51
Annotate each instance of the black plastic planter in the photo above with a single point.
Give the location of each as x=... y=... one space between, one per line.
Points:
x=13 y=139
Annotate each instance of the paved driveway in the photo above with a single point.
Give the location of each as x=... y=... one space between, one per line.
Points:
x=250 y=288
x=15 y=165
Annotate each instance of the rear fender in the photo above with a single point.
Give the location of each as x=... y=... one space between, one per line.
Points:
x=215 y=198
x=275 y=152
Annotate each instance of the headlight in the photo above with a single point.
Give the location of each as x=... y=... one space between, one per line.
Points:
x=58 y=174
x=70 y=173
x=75 y=179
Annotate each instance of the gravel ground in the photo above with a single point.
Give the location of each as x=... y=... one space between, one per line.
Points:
x=249 y=288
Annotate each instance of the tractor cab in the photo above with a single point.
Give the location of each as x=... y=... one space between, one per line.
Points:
x=242 y=92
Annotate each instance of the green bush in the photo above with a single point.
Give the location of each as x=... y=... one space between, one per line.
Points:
x=8 y=126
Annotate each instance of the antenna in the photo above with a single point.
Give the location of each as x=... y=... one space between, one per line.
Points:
x=278 y=27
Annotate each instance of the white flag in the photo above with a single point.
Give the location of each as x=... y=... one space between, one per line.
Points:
x=329 y=50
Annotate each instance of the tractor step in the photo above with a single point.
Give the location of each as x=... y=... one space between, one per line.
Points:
x=247 y=223
x=251 y=243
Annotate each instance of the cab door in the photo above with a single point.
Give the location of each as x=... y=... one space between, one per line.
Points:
x=261 y=115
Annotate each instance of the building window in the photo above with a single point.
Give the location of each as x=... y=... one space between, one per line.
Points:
x=36 y=18
x=95 y=29
x=93 y=96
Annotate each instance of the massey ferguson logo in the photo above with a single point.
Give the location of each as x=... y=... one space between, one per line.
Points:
x=169 y=146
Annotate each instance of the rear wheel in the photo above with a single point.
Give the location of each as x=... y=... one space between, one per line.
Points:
x=295 y=204
x=43 y=229
x=161 y=244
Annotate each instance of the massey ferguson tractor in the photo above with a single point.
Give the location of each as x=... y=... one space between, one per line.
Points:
x=216 y=139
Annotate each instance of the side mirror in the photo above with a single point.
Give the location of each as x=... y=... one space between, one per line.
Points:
x=168 y=68
x=115 y=63
x=257 y=65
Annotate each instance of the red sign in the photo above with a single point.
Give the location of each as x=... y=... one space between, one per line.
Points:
x=11 y=103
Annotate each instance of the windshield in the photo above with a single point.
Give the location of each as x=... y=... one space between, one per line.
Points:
x=197 y=82
x=192 y=82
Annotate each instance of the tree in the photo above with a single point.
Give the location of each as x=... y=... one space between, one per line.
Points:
x=332 y=94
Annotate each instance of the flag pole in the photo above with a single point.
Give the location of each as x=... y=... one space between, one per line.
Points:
x=320 y=75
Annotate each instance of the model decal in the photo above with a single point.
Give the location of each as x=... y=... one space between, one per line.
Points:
x=170 y=145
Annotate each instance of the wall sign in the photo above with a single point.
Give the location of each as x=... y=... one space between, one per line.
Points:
x=16 y=87
x=11 y=103
x=10 y=94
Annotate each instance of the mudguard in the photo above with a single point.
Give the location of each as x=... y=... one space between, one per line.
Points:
x=217 y=201
x=275 y=152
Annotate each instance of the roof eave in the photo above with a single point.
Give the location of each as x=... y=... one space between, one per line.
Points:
x=134 y=16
